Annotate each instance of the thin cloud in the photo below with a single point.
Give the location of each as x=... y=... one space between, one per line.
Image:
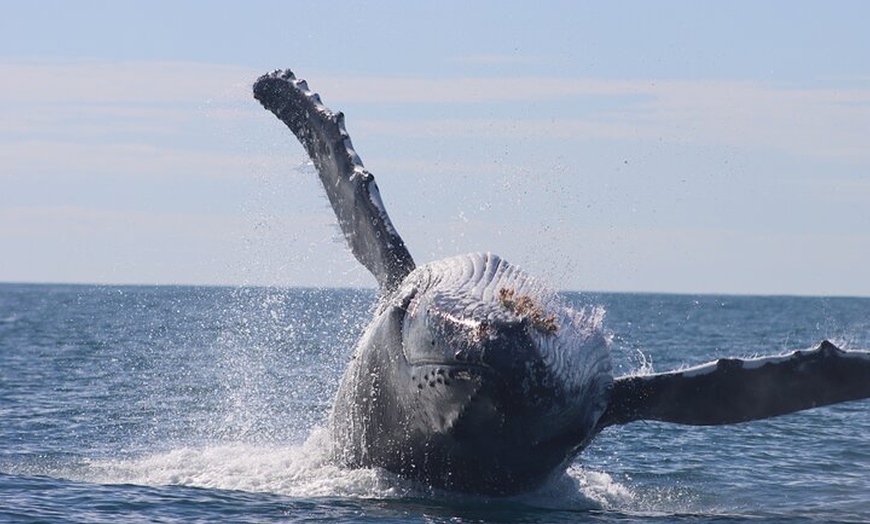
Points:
x=147 y=97
x=827 y=123
x=127 y=159
x=465 y=90
x=107 y=83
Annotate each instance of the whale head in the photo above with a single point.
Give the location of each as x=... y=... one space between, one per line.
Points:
x=487 y=374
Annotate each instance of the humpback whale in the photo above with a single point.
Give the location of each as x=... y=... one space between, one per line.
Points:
x=475 y=376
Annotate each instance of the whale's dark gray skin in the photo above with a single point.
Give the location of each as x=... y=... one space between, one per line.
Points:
x=474 y=376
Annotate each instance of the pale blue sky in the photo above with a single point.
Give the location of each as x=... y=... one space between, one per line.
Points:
x=624 y=146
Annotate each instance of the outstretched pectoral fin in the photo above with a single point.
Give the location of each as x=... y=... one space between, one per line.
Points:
x=350 y=188
x=728 y=391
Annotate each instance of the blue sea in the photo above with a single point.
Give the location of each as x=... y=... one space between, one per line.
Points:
x=198 y=404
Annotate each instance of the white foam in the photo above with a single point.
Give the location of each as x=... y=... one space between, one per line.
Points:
x=297 y=471
x=581 y=489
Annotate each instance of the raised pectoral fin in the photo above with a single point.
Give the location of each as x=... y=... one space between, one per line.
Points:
x=728 y=391
x=351 y=189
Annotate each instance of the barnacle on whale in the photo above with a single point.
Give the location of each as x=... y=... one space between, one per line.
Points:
x=524 y=306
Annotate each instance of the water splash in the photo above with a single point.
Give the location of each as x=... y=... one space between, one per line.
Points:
x=580 y=489
x=305 y=472
x=300 y=471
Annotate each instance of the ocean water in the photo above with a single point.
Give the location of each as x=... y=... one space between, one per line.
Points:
x=192 y=404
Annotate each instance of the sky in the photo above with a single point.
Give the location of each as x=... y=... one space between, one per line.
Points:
x=679 y=147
